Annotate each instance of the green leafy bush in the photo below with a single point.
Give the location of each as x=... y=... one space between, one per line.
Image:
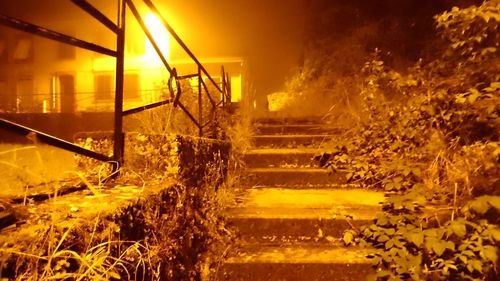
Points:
x=429 y=137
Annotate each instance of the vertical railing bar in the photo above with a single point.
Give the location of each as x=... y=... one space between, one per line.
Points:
x=200 y=105
x=224 y=88
x=119 y=141
x=228 y=88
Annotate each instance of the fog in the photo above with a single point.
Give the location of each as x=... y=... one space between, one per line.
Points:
x=269 y=35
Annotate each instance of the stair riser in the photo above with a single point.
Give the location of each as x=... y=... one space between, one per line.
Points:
x=294 y=272
x=292 y=178
x=296 y=130
x=308 y=141
x=279 y=160
x=305 y=120
x=260 y=230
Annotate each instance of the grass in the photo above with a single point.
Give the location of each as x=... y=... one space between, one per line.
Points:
x=23 y=166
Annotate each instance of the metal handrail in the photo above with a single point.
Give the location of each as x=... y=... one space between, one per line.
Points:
x=223 y=89
x=174 y=34
x=119 y=30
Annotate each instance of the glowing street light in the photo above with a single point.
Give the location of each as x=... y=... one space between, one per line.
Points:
x=161 y=37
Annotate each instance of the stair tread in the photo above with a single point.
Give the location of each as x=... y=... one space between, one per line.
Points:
x=280 y=197
x=286 y=233
x=280 y=151
x=324 y=254
x=304 y=213
x=307 y=203
x=294 y=136
x=289 y=170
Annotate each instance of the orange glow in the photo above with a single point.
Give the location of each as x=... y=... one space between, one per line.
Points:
x=161 y=37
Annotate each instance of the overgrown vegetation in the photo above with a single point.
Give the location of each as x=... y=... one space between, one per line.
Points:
x=429 y=138
x=168 y=227
x=161 y=219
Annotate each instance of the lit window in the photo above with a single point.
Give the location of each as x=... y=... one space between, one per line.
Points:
x=131 y=86
x=6 y=103
x=103 y=86
x=25 y=94
x=23 y=50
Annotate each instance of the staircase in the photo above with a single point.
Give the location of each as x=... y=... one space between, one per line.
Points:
x=292 y=214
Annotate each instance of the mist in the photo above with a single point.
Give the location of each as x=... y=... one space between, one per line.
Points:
x=268 y=35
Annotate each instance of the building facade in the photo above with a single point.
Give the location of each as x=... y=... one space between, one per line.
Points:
x=38 y=75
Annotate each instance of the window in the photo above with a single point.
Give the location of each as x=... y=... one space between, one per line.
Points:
x=5 y=98
x=66 y=52
x=104 y=86
x=25 y=94
x=23 y=51
x=3 y=49
x=131 y=86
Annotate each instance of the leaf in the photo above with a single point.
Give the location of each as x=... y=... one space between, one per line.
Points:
x=495 y=232
x=494 y=201
x=490 y=253
x=458 y=228
x=383 y=273
x=463 y=259
x=382 y=220
x=114 y=275
x=389 y=244
x=479 y=205
x=416 y=238
x=436 y=246
x=348 y=238
x=450 y=245
x=475 y=94
x=476 y=265
x=488 y=50
x=383 y=238
x=417 y=172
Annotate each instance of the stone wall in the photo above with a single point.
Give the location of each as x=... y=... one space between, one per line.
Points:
x=186 y=158
x=158 y=230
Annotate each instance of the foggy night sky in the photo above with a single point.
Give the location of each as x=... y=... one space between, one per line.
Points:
x=269 y=35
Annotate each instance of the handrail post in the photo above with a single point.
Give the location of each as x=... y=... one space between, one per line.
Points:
x=223 y=86
x=200 y=105
x=119 y=141
x=228 y=88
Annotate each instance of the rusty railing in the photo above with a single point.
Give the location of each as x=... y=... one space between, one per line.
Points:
x=223 y=90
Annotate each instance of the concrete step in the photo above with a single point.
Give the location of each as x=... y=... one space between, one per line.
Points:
x=291 y=120
x=283 y=157
x=296 y=129
x=296 y=263
x=281 y=215
x=294 y=177
x=290 y=141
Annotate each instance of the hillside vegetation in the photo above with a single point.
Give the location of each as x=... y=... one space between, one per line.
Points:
x=428 y=136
